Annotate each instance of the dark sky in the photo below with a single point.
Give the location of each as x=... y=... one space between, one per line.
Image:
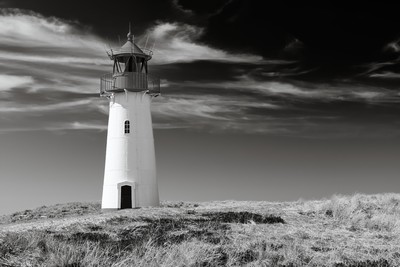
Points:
x=261 y=100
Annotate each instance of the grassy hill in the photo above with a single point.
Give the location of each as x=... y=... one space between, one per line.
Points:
x=359 y=230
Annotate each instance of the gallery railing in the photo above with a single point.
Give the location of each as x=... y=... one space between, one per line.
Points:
x=130 y=81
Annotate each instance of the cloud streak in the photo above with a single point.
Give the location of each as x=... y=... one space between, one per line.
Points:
x=28 y=29
x=8 y=82
x=176 y=42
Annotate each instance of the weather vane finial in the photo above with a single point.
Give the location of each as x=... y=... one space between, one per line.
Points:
x=130 y=35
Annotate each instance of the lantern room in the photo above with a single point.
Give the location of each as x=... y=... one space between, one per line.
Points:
x=130 y=71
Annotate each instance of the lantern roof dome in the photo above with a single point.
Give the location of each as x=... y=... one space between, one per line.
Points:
x=130 y=48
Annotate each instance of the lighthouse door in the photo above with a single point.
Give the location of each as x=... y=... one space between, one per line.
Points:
x=126 y=197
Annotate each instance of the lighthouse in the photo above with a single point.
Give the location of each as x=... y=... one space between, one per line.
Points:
x=130 y=168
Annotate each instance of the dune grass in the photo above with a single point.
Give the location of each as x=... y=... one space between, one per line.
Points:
x=52 y=212
x=358 y=230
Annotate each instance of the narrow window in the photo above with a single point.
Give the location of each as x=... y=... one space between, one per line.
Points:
x=128 y=65
x=127 y=127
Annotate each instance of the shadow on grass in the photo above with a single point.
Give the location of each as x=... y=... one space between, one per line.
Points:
x=242 y=217
x=210 y=227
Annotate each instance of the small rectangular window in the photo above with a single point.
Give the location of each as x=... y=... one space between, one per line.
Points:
x=127 y=127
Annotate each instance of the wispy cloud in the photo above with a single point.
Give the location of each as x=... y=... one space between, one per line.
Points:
x=60 y=127
x=386 y=74
x=271 y=107
x=393 y=46
x=8 y=82
x=32 y=30
x=48 y=49
x=51 y=71
x=386 y=69
x=9 y=107
x=177 y=42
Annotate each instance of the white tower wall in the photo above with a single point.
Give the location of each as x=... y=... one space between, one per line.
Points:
x=130 y=157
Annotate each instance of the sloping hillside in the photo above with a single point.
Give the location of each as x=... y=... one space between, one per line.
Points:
x=361 y=230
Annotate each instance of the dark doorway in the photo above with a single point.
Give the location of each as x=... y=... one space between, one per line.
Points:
x=126 y=197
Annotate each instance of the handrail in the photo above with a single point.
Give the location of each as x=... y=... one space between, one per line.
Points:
x=130 y=81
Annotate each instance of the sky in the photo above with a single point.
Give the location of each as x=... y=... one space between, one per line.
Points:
x=260 y=100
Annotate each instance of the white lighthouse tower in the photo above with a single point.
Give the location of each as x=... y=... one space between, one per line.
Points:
x=130 y=169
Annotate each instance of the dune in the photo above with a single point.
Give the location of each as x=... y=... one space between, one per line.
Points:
x=358 y=230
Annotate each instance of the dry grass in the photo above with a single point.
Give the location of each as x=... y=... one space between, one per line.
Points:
x=52 y=212
x=359 y=230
